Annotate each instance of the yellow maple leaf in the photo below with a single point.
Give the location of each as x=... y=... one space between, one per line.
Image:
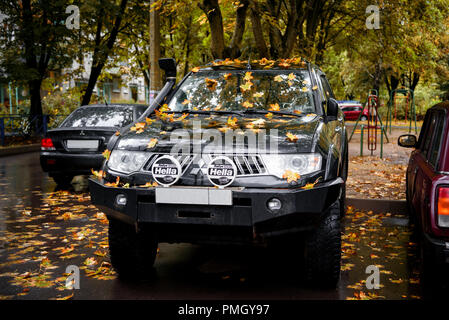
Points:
x=291 y=76
x=278 y=78
x=106 y=154
x=152 y=143
x=274 y=107
x=291 y=137
x=247 y=104
x=113 y=184
x=227 y=76
x=195 y=70
x=117 y=133
x=248 y=76
x=269 y=115
x=149 y=121
x=186 y=101
x=291 y=176
x=258 y=95
x=211 y=84
x=99 y=174
x=232 y=122
x=247 y=86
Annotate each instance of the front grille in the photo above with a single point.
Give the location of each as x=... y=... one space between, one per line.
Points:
x=247 y=165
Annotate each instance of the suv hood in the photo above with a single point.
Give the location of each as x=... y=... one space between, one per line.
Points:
x=213 y=134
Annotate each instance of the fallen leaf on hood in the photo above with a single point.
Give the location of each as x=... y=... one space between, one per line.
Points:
x=291 y=76
x=291 y=137
x=138 y=127
x=291 y=176
x=195 y=70
x=248 y=104
x=149 y=121
x=227 y=76
x=186 y=101
x=152 y=143
x=278 y=78
x=232 y=122
x=269 y=115
x=258 y=95
x=117 y=133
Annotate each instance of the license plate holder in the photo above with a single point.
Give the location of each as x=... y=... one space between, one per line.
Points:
x=194 y=196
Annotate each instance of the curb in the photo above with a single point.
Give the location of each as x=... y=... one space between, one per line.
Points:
x=379 y=205
x=9 y=151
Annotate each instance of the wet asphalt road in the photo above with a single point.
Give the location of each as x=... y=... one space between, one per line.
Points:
x=44 y=229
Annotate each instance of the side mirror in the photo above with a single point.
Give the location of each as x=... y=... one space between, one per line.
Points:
x=169 y=66
x=332 y=108
x=407 y=141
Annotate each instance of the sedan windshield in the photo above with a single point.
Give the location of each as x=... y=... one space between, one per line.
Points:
x=96 y=116
x=284 y=91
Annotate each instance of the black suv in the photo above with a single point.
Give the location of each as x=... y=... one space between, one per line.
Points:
x=238 y=152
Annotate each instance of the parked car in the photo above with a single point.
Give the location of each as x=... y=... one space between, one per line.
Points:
x=230 y=191
x=353 y=109
x=76 y=146
x=427 y=186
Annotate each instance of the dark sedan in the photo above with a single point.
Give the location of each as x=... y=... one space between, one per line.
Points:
x=76 y=146
x=427 y=186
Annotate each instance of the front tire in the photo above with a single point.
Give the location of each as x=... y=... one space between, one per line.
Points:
x=323 y=250
x=132 y=254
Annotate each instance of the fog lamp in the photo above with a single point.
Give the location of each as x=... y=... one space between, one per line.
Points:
x=121 y=200
x=274 y=204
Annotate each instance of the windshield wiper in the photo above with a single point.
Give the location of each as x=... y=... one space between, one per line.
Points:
x=281 y=113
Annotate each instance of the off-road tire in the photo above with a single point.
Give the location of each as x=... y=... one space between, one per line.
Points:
x=132 y=254
x=62 y=180
x=322 y=251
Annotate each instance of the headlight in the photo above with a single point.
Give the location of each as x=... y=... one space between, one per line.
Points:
x=303 y=164
x=127 y=161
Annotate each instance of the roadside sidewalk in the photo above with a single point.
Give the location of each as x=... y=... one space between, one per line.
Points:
x=13 y=150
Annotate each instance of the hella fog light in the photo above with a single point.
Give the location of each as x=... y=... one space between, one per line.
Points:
x=121 y=200
x=274 y=204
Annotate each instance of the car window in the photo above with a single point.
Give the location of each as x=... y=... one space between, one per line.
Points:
x=326 y=87
x=99 y=116
x=227 y=90
x=140 y=110
x=428 y=134
x=437 y=138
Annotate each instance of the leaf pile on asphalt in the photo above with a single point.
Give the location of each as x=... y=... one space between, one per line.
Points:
x=376 y=240
x=39 y=242
x=375 y=178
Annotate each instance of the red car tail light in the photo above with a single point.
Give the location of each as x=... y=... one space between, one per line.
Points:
x=443 y=207
x=47 y=144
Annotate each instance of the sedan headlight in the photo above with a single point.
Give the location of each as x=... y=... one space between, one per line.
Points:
x=303 y=164
x=127 y=161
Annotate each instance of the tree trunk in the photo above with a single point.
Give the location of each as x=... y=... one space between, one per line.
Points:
x=256 y=25
x=35 y=104
x=212 y=10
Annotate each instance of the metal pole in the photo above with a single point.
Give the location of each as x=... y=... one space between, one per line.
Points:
x=10 y=98
x=381 y=142
x=361 y=140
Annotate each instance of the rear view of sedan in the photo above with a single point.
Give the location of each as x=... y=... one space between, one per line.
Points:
x=76 y=146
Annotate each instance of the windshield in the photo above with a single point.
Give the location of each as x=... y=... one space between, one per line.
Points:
x=96 y=116
x=285 y=91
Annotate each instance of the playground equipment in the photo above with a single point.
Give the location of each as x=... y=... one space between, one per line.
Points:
x=407 y=97
x=373 y=120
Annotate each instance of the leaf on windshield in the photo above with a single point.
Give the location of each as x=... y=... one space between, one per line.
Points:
x=195 y=70
x=248 y=76
x=315 y=87
x=258 y=95
x=211 y=84
x=274 y=107
x=138 y=127
x=291 y=176
x=106 y=154
x=232 y=122
x=182 y=117
x=304 y=89
x=278 y=78
x=164 y=108
x=218 y=107
x=246 y=87
x=248 y=104
x=291 y=76
x=291 y=137
x=227 y=76
x=149 y=121
x=186 y=101
x=269 y=115
x=152 y=143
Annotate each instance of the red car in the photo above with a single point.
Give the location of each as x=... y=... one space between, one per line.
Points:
x=427 y=185
x=352 y=110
